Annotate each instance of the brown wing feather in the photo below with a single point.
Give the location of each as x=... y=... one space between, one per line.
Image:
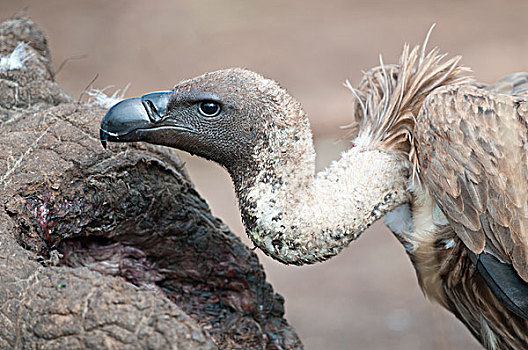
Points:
x=472 y=155
x=513 y=84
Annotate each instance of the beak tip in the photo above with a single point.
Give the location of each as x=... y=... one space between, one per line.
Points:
x=103 y=136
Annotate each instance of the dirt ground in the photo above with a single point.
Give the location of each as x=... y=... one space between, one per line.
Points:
x=367 y=297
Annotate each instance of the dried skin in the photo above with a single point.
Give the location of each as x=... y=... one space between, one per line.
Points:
x=154 y=253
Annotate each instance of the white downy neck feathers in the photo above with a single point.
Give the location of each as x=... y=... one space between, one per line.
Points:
x=328 y=211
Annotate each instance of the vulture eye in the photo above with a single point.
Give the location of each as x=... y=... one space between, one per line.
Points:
x=209 y=108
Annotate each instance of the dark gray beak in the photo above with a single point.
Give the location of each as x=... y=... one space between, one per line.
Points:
x=129 y=119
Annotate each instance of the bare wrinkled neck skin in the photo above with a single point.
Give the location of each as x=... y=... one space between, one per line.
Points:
x=299 y=217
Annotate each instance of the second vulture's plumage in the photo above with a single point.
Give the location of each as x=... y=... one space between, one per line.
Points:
x=442 y=157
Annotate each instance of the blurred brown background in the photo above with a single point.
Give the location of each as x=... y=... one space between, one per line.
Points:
x=367 y=297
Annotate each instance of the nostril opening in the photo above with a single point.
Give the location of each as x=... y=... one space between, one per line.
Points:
x=151 y=109
x=152 y=106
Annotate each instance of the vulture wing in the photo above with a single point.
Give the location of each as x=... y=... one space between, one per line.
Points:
x=472 y=152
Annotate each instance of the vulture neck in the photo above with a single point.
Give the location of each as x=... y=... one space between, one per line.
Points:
x=299 y=217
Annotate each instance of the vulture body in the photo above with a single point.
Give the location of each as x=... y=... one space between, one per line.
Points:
x=442 y=157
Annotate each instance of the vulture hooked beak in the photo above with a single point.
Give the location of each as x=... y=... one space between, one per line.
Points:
x=134 y=118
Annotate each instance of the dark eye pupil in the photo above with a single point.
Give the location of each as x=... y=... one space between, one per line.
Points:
x=209 y=108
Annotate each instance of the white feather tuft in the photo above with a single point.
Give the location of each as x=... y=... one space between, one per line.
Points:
x=16 y=59
x=99 y=98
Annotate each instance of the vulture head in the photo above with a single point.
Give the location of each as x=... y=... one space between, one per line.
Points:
x=227 y=116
